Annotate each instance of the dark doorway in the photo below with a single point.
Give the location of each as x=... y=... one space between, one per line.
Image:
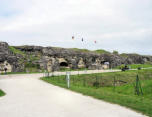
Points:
x=63 y=64
x=102 y=62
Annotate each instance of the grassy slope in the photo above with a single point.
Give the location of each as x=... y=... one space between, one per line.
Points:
x=101 y=51
x=1 y=93
x=122 y=95
x=135 y=66
x=16 y=51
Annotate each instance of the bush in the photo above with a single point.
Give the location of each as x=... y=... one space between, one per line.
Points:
x=31 y=65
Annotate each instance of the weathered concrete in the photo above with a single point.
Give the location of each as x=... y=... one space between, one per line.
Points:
x=80 y=59
x=8 y=59
x=54 y=59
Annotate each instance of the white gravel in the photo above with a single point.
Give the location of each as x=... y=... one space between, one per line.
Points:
x=27 y=96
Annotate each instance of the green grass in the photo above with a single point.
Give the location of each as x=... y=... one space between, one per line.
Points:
x=30 y=64
x=101 y=51
x=124 y=55
x=25 y=60
x=16 y=51
x=1 y=93
x=69 y=69
x=80 y=50
x=122 y=94
x=9 y=73
x=135 y=66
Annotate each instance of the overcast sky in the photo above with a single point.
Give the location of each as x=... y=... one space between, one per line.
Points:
x=122 y=25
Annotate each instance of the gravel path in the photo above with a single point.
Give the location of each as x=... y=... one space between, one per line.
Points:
x=28 y=96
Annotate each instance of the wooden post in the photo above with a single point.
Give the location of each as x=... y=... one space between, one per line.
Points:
x=138 y=88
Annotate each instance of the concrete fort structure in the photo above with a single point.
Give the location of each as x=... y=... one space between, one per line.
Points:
x=37 y=58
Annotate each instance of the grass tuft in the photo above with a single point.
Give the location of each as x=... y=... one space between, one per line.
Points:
x=1 y=93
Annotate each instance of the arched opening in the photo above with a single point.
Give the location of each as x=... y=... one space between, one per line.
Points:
x=103 y=62
x=93 y=60
x=63 y=64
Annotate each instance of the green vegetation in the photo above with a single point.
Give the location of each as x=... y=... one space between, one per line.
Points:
x=27 y=60
x=9 y=73
x=69 y=69
x=115 y=52
x=135 y=66
x=124 y=55
x=101 y=51
x=1 y=93
x=16 y=51
x=81 y=50
x=118 y=87
x=31 y=65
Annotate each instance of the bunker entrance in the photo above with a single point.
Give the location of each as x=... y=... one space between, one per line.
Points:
x=63 y=64
x=103 y=62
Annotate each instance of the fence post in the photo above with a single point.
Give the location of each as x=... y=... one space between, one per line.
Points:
x=68 y=79
x=138 y=88
x=84 y=81
x=78 y=72
x=47 y=74
x=85 y=72
x=73 y=79
x=44 y=74
x=100 y=79
x=114 y=83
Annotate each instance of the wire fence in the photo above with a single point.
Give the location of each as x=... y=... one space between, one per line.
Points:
x=102 y=80
x=114 y=80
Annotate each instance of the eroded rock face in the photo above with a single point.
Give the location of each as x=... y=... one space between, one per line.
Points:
x=55 y=58
x=7 y=59
x=81 y=63
x=52 y=59
x=4 y=48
